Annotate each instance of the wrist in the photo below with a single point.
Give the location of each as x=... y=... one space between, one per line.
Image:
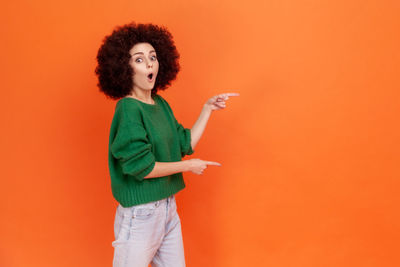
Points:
x=207 y=108
x=186 y=165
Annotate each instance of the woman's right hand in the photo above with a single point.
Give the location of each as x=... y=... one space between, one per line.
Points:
x=197 y=166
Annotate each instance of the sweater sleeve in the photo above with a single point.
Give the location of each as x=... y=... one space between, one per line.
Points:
x=133 y=151
x=185 y=139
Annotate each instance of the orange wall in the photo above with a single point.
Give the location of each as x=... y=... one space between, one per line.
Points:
x=310 y=150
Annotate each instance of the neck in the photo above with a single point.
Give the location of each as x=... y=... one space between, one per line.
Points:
x=142 y=95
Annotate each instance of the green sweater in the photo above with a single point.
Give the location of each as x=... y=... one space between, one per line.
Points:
x=140 y=135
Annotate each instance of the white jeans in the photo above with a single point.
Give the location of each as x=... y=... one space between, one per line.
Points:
x=148 y=233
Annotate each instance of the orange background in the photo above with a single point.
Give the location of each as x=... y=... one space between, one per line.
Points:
x=309 y=150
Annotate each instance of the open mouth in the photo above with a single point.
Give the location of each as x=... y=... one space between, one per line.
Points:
x=150 y=76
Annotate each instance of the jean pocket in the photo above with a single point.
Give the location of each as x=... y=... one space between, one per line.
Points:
x=121 y=228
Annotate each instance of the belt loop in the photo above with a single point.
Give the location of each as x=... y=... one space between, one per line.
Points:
x=133 y=212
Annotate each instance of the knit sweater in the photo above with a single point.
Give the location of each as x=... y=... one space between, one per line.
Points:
x=142 y=134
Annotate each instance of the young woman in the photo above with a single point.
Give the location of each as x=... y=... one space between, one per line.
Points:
x=147 y=144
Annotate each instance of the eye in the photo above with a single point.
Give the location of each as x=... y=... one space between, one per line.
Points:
x=153 y=58
x=138 y=60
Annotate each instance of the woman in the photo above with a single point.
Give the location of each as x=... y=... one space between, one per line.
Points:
x=147 y=144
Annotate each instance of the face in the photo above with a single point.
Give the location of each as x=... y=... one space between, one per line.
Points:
x=145 y=66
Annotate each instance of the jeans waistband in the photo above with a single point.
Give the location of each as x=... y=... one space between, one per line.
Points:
x=153 y=204
x=158 y=202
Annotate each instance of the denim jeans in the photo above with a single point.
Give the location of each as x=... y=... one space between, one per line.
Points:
x=148 y=233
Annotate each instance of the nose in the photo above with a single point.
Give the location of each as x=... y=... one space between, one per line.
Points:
x=149 y=64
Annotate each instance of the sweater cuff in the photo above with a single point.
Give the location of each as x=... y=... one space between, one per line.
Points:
x=138 y=169
x=145 y=172
x=187 y=142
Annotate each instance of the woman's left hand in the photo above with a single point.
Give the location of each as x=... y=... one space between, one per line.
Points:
x=218 y=102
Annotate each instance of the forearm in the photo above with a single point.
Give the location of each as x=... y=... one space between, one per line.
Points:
x=167 y=168
x=198 y=128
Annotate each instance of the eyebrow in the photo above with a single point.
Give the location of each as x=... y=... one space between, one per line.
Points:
x=142 y=52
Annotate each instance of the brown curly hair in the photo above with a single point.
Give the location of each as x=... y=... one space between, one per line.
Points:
x=113 y=70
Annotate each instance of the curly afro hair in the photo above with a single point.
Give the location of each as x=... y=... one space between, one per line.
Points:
x=113 y=69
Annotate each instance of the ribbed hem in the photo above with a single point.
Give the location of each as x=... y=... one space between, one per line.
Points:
x=152 y=189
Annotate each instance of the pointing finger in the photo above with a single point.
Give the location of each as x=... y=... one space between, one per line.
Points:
x=213 y=163
x=232 y=94
x=227 y=95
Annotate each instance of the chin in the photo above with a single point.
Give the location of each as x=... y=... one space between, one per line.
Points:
x=148 y=88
